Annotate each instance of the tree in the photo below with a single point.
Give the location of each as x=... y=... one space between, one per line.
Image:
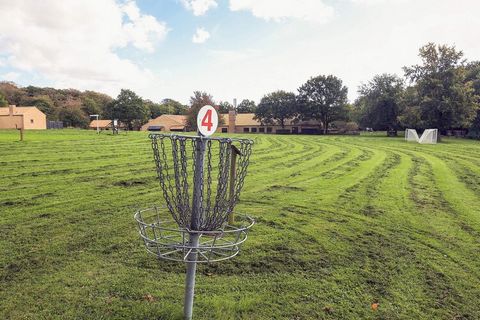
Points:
x=174 y=106
x=90 y=106
x=197 y=101
x=156 y=109
x=380 y=101
x=277 y=107
x=224 y=107
x=3 y=101
x=101 y=100
x=44 y=104
x=11 y=92
x=128 y=108
x=324 y=99
x=444 y=98
x=246 y=106
x=73 y=117
x=473 y=76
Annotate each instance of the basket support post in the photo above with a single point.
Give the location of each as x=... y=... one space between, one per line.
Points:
x=194 y=226
x=233 y=171
x=190 y=279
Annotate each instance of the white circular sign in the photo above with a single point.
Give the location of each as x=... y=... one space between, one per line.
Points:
x=207 y=120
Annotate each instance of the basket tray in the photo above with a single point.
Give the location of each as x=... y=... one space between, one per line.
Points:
x=163 y=238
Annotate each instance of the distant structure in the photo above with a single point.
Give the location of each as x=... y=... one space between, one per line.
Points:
x=102 y=125
x=429 y=136
x=233 y=123
x=13 y=117
x=166 y=122
x=54 y=124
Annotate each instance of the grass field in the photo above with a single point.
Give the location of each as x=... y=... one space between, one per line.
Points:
x=343 y=222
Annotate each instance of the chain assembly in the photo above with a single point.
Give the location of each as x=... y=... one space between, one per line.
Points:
x=218 y=190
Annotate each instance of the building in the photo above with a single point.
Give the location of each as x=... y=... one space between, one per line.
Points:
x=233 y=123
x=102 y=125
x=13 y=117
x=246 y=123
x=166 y=122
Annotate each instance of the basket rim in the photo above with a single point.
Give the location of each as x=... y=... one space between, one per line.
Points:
x=197 y=137
x=228 y=228
x=218 y=245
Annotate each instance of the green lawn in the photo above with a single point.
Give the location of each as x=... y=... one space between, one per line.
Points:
x=342 y=222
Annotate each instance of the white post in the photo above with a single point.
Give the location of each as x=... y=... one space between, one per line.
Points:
x=96 y=115
x=194 y=225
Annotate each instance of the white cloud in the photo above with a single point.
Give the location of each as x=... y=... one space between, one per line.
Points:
x=374 y=2
x=361 y=43
x=73 y=43
x=142 y=30
x=10 y=76
x=308 y=10
x=200 y=36
x=199 y=7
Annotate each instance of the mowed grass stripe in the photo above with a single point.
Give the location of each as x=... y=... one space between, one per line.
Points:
x=342 y=222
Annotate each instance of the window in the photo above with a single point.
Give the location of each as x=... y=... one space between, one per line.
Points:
x=253 y=130
x=261 y=130
x=224 y=130
x=31 y=120
x=269 y=130
x=246 y=130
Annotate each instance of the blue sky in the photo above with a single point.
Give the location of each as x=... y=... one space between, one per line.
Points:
x=229 y=48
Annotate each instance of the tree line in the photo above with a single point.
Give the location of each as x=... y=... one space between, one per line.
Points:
x=74 y=107
x=443 y=92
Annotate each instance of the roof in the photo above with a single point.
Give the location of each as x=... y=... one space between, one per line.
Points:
x=18 y=110
x=168 y=120
x=101 y=123
x=180 y=119
x=246 y=119
x=241 y=119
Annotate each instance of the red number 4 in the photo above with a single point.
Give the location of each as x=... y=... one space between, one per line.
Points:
x=207 y=120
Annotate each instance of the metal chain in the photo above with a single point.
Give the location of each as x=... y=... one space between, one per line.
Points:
x=173 y=173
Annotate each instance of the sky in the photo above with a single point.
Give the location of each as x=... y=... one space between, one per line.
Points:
x=240 y=49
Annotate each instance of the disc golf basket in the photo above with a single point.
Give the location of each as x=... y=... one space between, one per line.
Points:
x=201 y=179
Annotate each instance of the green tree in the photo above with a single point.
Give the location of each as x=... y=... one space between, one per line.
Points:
x=3 y=101
x=380 y=102
x=11 y=92
x=101 y=100
x=174 y=106
x=128 y=108
x=246 y=106
x=410 y=116
x=473 y=76
x=73 y=117
x=224 y=107
x=277 y=107
x=324 y=99
x=44 y=104
x=156 y=109
x=444 y=98
x=90 y=106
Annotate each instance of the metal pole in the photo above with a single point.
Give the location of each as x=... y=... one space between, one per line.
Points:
x=190 y=279
x=96 y=116
x=194 y=225
x=233 y=171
